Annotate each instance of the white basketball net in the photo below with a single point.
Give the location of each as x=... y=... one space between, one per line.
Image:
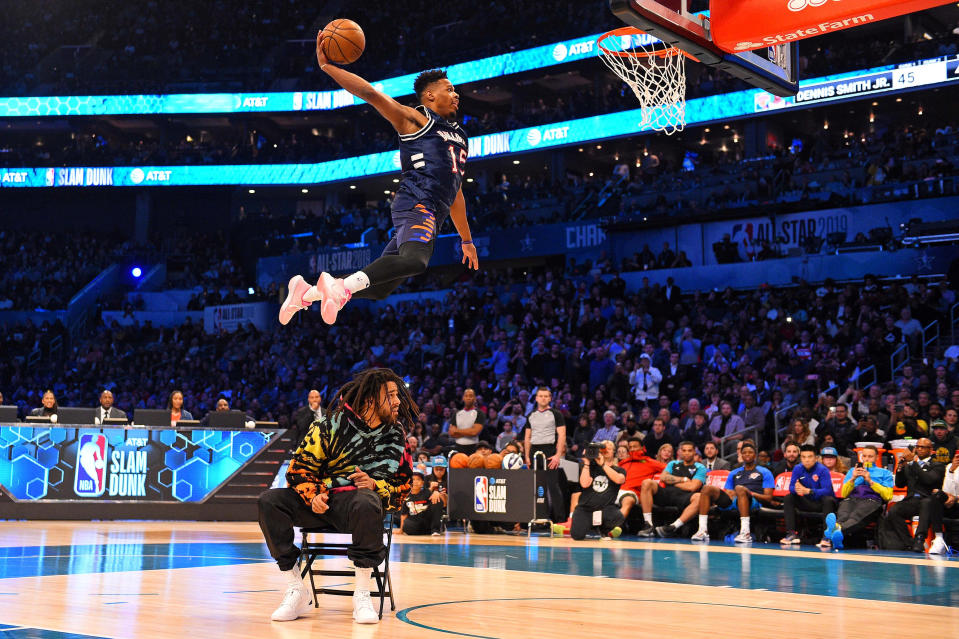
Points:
x=657 y=76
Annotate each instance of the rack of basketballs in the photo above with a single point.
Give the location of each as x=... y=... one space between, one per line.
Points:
x=484 y=457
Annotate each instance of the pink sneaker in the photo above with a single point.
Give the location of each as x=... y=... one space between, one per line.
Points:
x=294 y=299
x=335 y=296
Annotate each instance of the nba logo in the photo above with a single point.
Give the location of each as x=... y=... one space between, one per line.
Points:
x=480 y=494
x=90 y=479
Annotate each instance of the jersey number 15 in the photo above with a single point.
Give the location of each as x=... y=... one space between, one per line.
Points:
x=461 y=166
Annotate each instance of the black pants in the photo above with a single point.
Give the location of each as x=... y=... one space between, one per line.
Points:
x=555 y=483
x=583 y=521
x=388 y=271
x=466 y=449
x=793 y=502
x=355 y=512
x=425 y=523
x=929 y=510
x=854 y=512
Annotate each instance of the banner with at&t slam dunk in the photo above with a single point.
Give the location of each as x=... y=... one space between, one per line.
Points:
x=742 y=25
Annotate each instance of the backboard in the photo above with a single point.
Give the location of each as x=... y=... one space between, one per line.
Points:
x=775 y=69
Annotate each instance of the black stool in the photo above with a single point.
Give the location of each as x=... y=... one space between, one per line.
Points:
x=310 y=551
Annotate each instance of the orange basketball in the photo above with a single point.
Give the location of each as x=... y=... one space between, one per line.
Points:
x=494 y=461
x=477 y=460
x=459 y=460
x=343 y=41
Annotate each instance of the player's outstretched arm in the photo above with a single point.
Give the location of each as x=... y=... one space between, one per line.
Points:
x=458 y=215
x=404 y=119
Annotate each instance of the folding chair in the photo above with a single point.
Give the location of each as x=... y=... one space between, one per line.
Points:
x=310 y=551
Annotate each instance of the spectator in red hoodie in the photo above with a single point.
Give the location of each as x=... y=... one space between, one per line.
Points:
x=639 y=467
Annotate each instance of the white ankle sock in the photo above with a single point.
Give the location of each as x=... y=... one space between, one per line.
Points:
x=364 y=576
x=938 y=535
x=678 y=523
x=703 y=519
x=357 y=282
x=312 y=295
x=649 y=518
x=744 y=525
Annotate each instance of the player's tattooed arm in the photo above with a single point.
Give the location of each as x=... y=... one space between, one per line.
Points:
x=404 y=119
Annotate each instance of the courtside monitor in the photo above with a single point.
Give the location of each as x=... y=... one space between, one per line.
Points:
x=685 y=24
x=8 y=414
x=227 y=419
x=152 y=417
x=76 y=415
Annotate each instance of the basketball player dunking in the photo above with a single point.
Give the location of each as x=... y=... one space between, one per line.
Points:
x=433 y=151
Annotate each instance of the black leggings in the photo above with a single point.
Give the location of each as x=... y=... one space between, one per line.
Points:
x=387 y=272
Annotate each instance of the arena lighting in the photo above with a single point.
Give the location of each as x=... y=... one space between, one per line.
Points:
x=513 y=62
x=724 y=107
x=249 y=291
x=136 y=272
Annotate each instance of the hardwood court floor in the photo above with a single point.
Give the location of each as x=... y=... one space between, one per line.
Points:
x=199 y=580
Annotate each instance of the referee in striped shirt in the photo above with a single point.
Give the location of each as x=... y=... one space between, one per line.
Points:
x=546 y=433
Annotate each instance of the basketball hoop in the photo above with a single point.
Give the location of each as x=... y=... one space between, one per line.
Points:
x=655 y=71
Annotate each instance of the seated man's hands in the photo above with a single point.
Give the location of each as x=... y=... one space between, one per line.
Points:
x=320 y=503
x=361 y=480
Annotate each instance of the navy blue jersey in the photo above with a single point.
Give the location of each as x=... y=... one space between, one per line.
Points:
x=433 y=161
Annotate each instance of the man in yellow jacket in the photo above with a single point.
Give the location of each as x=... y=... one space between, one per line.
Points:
x=865 y=491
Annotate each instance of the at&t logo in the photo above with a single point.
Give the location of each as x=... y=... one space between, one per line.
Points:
x=535 y=136
x=560 y=52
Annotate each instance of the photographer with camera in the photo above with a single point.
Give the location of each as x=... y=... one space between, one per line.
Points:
x=906 y=423
x=600 y=480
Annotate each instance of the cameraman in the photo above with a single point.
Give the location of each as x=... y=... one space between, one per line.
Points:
x=600 y=480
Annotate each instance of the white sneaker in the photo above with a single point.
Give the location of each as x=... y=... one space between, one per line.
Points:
x=296 y=603
x=744 y=538
x=939 y=547
x=701 y=535
x=363 y=608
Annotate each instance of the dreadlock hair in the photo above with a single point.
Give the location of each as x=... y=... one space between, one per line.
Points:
x=365 y=388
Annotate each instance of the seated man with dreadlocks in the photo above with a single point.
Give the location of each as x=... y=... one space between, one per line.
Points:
x=351 y=467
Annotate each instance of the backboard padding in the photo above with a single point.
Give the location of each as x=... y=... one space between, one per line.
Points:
x=670 y=22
